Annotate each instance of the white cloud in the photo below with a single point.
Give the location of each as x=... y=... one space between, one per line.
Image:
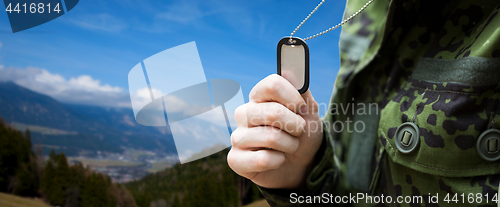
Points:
x=176 y=106
x=198 y=14
x=182 y=12
x=102 y=22
x=82 y=89
x=88 y=83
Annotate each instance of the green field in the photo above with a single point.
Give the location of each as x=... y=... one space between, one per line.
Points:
x=105 y=163
x=42 y=130
x=159 y=166
x=7 y=200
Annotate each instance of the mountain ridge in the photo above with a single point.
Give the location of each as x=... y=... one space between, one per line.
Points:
x=98 y=128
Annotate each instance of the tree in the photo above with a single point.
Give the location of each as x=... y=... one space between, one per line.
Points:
x=122 y=196
x=94 y=192
x=51 y=191
x=55 y=179
x=27 y=176
x=18 y=166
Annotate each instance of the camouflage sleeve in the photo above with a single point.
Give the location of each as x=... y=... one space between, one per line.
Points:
x=320 y=180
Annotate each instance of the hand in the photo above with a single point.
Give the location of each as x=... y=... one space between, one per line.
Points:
x=279 y=132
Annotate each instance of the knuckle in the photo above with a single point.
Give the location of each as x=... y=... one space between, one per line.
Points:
x=272 y=138
x=272 y=85
x=294 y=105
x=265 y=86
x=295 y=146
x=237 y=136
x=280 y=109
x=299 y=132
x=234 y=139
x=240 y=113
x=302 y=125
x=272 y=114
x=262 y=161
x=253 y=93
x=231 y=159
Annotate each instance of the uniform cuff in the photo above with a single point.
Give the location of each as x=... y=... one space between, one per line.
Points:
x=320 y=180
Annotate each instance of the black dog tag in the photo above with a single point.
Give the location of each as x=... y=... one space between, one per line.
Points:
x=293 y=62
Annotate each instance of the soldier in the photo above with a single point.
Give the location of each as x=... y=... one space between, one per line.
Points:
x=427 y=74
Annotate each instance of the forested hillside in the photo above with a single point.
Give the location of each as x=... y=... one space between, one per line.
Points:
x=205 y=182
x=20 y=168
x=25 y=173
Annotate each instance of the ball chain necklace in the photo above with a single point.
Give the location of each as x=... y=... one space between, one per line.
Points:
x=293 y=52
x=331 y=28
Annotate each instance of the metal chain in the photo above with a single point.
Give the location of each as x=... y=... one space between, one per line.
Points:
x=331 y=28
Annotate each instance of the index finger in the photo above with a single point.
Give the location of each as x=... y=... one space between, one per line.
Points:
x=275 y=88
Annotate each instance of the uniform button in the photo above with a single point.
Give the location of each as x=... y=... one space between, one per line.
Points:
x=487 y=145
x=407 y=138
x=406 y=141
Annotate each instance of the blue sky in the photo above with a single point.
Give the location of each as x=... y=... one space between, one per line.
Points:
x=96 y=44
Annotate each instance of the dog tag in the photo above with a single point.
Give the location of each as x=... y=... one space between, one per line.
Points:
x=293 y=62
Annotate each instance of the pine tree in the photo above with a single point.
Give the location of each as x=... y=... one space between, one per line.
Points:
x=51 y=190
x=27 y=136
x=55 y=179
x=94 y=192
x=3 y=156
x=76 y=182
x=27 y=177
x=52 y=155
x=177 y=202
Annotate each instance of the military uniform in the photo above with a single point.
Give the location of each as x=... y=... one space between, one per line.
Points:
x=435 y=64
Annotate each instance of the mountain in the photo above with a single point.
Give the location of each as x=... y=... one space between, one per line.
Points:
x=119 y=118
x=75 y=128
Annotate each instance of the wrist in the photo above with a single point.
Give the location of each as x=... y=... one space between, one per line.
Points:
x=309 y=165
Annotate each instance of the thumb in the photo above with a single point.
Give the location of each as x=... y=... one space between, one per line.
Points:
x=311 y=106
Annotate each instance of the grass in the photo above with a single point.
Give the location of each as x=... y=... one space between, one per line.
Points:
x=105 y=163
x=259 y=203
x=7 y=200
x=42 y=130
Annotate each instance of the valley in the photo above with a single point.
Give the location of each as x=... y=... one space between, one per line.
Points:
x=106 y=139
x=127 y=166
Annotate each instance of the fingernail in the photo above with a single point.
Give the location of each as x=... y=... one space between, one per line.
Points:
x=303 y=110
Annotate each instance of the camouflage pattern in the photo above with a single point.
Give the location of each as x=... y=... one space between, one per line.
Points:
x=383 y=51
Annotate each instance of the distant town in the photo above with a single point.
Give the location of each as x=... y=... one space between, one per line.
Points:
x=132 y=164
x=128 y=166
